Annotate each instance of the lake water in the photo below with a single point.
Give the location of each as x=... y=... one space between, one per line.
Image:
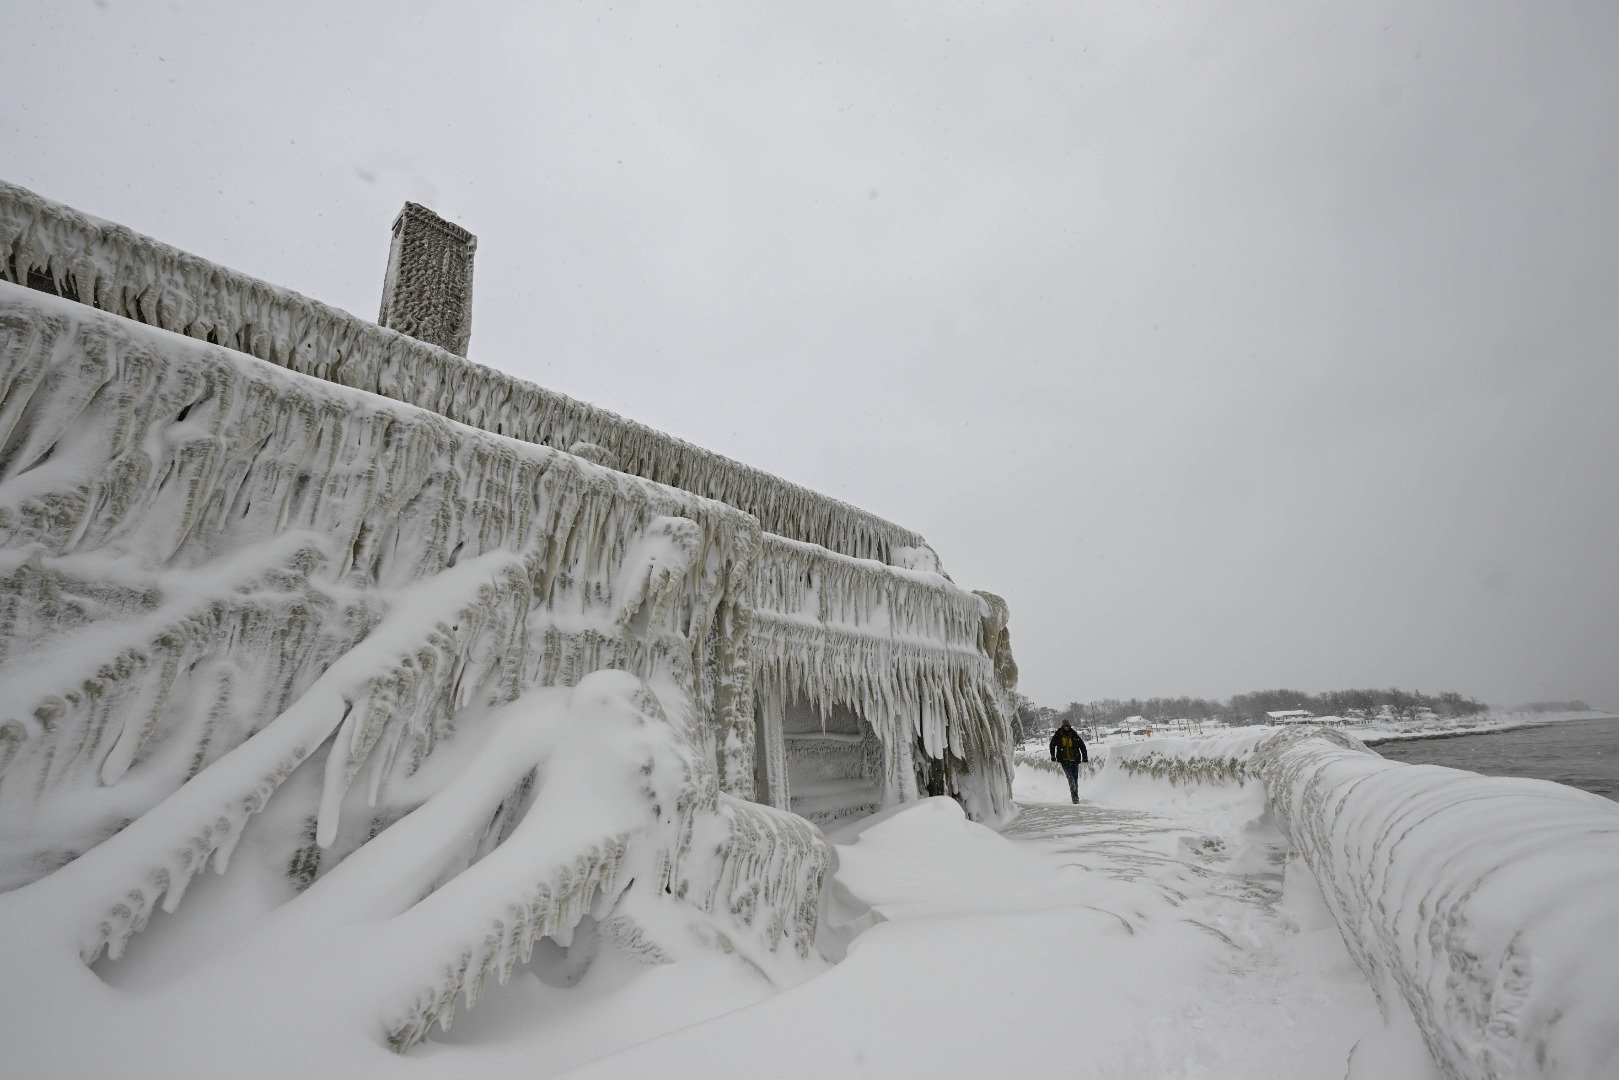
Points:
x=1579 y=753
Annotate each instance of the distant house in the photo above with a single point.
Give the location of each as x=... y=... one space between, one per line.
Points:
x=1291 y=716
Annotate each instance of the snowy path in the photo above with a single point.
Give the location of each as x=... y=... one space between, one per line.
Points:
x=1187 y=869
x=1264 y=997
x=1121 y=938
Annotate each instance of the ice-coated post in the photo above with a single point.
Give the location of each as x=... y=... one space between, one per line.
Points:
x=428 y=291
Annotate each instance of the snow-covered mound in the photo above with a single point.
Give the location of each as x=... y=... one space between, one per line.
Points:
x=1485 y=906
x=572 y=803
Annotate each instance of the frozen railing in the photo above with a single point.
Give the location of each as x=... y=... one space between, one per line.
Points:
x=1485 y=905
x=107 y=266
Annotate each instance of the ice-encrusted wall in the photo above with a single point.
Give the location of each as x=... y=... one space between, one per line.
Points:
x=188 y=541
x=1475 y=903
x=234 y=596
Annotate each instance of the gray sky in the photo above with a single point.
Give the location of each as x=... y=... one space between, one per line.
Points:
x=1237 y=345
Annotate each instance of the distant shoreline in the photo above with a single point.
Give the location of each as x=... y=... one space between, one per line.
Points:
x=1492 y=723
x=1528 y=721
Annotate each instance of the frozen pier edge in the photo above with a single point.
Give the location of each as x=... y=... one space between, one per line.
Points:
x=457 y=665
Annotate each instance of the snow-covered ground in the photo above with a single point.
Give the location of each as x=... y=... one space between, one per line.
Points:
x=1495 y=720
x=1152 y=931
x=1146 y=933
x=1164 y=927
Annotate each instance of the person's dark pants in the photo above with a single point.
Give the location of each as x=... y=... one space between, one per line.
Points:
x=1072 y=769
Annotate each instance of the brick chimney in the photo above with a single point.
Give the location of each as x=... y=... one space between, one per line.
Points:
x=428 y=291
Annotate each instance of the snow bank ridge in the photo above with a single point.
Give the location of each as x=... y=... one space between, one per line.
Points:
x=1483 y=905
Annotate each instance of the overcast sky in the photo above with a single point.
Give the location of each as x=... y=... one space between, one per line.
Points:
x=1238 y=345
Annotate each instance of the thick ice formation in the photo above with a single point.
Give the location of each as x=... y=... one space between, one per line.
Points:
x=221 y=571
x=193 y=540
x=1482 y=905
x=239 y=596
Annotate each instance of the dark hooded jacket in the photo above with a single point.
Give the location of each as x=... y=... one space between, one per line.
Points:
x=1067 y=747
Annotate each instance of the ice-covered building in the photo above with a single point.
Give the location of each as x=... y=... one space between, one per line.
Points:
x=267 y=566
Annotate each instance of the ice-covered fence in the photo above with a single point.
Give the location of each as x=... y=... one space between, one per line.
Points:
x=116 y=269
x=912 y=653
x=1487 y=906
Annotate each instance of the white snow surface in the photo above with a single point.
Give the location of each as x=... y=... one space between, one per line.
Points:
x=1152 y=931
x=1146 y=933
x=1255 y=905
x=1172 y=925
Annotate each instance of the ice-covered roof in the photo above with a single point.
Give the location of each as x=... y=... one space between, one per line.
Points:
x=116 y=269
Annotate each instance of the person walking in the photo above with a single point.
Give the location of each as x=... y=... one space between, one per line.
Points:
x=1068 y=750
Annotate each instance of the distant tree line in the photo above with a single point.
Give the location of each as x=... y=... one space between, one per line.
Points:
x=1554 y=706
x=1250 y=708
